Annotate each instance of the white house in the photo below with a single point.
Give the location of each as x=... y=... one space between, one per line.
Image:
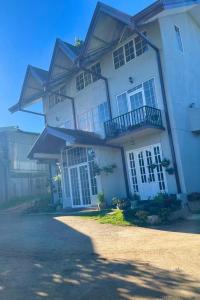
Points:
x=126 y=100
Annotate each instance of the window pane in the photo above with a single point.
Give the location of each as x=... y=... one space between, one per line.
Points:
x=129 y=51
x=96 y=71
x=140 y=45
x=80 y=82
x=149 y=91
x=122 y=104
x=85 y=121
x=93 y=178
x=87 y=78
x=103 y=112
x=178 y=38
x=118 y=57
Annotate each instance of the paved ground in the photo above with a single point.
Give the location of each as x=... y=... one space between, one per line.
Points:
x=46 y=257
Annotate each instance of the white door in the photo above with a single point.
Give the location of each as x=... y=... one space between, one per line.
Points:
x=146 y=172
x=80 y=189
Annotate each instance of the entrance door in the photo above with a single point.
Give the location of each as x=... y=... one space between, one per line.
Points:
x=146 y=172
x=80 y=185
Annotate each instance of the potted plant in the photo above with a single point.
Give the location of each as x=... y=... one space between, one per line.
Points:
x=101 y=201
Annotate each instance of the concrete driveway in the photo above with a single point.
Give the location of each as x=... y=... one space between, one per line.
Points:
x=48 y=257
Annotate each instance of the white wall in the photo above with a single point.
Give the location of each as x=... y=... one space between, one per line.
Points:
x=182 y=75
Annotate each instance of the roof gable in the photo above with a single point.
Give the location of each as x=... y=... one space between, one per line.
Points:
x=98 y=35
x=32 y=88
x=64 y=56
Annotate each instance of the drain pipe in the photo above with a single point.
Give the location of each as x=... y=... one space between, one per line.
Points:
x=169 y=129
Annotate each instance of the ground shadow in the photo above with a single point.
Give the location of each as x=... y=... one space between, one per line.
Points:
x=41 y=257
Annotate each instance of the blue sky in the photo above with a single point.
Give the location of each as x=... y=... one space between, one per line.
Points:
x=27 y=35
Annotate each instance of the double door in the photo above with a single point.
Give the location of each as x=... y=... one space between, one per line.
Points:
x=146 y=173
x=80 y=188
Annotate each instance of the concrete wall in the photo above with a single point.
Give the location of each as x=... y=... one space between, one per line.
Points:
x=182 y=73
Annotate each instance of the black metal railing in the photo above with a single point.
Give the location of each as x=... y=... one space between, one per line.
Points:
x=140 y=117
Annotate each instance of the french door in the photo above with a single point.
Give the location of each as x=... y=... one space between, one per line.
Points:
x=80 y=189
x=145 y=171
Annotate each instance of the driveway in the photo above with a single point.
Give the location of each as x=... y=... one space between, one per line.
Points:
x=64 y=257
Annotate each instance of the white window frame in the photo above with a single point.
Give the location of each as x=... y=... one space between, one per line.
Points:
x=132 y=38
x=127 y=94
x=179 y=39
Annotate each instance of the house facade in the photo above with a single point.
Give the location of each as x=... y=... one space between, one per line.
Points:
x=19 y=175
x=125 y=103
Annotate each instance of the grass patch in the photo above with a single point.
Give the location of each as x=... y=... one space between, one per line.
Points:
x=108 y=216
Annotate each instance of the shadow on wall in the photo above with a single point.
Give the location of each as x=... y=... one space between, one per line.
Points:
x=45 y=259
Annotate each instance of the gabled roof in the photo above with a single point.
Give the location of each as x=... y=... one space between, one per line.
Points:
x=70 y=53
x=159 y=6
x=32 y=88
x=112 y=13
x=53 y=139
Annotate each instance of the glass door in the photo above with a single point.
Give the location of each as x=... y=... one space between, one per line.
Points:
x=80 y=185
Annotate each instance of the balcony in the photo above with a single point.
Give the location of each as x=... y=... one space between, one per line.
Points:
x=141 y=118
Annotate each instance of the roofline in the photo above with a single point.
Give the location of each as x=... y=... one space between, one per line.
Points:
x=148 y=12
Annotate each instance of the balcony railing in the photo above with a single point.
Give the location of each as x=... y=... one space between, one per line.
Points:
x=141 y=117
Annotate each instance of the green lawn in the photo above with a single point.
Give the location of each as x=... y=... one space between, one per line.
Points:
x=108 y=216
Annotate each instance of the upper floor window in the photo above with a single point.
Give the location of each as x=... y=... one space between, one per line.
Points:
x=57 y=96
x=93 y=120
x=129 y=51
x=86 y=78
x=178 y=38
x=141 y=95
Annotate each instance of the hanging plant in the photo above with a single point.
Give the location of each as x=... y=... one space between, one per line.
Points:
x=170 y=171
x=153 y=166
x=106 y=169
x=165 y=163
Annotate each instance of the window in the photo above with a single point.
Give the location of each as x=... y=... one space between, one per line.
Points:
x=93 y=120
x=179 y=38
x=96 y=71
x=122 y=104
x=149 y=91
x=118 y=57
x=140 y=45
x=129 y=51
x=141 y=95
x=57 y=96
x=80 y=82
x=85 y=121
x=86 y=78
x=103 y=112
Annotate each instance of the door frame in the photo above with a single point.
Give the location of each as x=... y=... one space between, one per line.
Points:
x=136 y=150
x=79 y=184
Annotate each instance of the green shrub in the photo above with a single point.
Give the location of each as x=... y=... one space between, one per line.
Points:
x=194 y=197
x=121 y=204
x=141 y=216
x=164 y=214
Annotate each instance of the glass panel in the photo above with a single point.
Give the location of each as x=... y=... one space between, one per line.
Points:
x=140 y=45
x=80 y=82
x=122 y=104
x=178 y=38
x=149 y=91
x=85 y=187
x=96 y=69
x=129 y=51
x=118 y=56
x=93 y=178
x=150 y=167
x=136 y=100
x=133 y=172
x=87 y=78
x=77 y=156
x=142 y=167
x=159 y=169
x=75 y=187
